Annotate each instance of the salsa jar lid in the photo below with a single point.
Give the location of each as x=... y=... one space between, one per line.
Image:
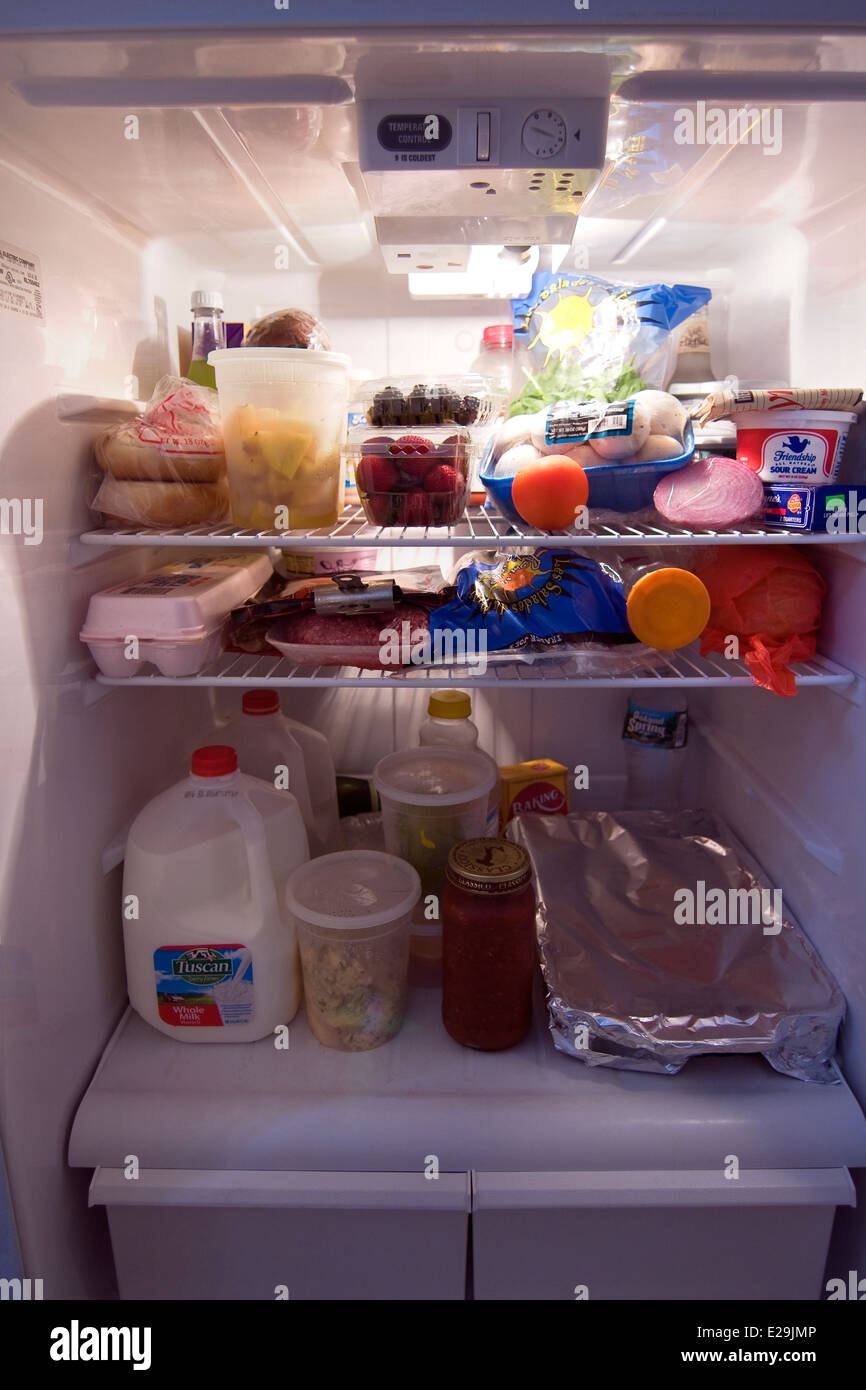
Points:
x=488 y=866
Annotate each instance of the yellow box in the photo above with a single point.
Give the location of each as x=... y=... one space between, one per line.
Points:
x=540 y=785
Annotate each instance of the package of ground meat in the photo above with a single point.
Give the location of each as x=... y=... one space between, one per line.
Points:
x=371 y=641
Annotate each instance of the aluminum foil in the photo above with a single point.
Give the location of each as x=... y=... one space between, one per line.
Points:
x=633 y=983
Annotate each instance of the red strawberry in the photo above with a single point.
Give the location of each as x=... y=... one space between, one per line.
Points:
x=447 y=507
x=416 y=508
x=417 y=468
x=454 y=448
x=381 y=509
x=443 y=478
x=376 y=444
x=412 y=444
x=377 y=474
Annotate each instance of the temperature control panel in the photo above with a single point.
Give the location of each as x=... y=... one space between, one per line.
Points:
x=512 y=133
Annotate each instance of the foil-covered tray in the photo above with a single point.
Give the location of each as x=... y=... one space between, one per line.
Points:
x=661 y=939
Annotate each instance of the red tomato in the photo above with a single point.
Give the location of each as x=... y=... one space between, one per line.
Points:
x=547 y=494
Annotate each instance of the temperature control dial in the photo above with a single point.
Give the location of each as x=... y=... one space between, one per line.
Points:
x=544 y=134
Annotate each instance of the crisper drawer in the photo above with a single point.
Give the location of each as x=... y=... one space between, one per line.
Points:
x=183 y=1234
x=650 y=1235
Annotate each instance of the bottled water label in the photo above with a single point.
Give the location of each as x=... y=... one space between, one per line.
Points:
x=655 y=728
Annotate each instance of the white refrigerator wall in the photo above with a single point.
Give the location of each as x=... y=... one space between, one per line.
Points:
x=74 y=772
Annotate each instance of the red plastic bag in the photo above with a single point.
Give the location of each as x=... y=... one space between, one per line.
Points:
x=771 y=600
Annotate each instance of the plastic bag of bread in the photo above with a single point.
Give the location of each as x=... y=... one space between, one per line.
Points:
x=167 y=467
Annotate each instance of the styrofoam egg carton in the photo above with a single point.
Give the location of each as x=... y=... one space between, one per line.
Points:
x=172 y=617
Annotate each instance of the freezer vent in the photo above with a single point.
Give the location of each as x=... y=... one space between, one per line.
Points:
x=559 y=189
x=400 y=260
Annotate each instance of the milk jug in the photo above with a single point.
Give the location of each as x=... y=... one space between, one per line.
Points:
x=211 y=953
x=289 y=755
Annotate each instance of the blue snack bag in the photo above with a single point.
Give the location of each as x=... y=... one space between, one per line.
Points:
x=578 y=337
x=540 y=598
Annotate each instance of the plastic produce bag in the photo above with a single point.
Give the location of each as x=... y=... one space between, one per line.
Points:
x=166 y=467
x=536 y=598
x=577 y=337
x=772 y=603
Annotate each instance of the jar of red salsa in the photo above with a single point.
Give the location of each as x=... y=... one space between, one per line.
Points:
x=488 y=944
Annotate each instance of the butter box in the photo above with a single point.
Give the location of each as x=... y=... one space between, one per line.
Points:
x=830 y=508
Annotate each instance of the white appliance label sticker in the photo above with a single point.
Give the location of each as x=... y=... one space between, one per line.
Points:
x=20 y=283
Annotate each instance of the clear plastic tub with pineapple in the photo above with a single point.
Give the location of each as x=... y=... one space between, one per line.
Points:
x=284 y=425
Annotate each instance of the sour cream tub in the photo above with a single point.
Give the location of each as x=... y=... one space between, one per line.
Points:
x=794 y=446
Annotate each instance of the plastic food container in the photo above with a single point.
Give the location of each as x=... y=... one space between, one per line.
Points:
x=617 y=487
x=406 y=402
x=324 y=562
x=284 y=426
x=804 y=447
x=352 y=912
x=431 y=799
x=417 y=477
x=172 y=617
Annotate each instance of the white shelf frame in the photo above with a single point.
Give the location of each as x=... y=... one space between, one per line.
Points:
x=477 y=528
x=683 y=668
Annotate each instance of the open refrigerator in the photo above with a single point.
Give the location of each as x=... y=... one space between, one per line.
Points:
x=130 y=163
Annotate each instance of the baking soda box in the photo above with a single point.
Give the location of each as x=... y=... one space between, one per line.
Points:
x=541 y=786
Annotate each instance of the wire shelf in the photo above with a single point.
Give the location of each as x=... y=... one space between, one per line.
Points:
x=683 y=668
x=475 y=528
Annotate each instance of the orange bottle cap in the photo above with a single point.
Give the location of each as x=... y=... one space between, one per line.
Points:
x=668 y=608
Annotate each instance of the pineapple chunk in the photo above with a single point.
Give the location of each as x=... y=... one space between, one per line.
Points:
x=261 y=517
x=285 y=446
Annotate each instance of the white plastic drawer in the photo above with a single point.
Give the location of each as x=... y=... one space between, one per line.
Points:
x=657 y=1235
x=267 y=1235
x=180 y=1187
x=788 y=1187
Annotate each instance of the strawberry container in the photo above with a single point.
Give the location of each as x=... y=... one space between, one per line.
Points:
x=412 y=478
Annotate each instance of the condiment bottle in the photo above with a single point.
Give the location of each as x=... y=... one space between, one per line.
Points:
x=448 y=721
x=488 y=944
x=208 y=332
x=667 y=607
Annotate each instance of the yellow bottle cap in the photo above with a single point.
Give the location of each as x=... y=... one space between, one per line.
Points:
x=449 y=704
x=668 y=608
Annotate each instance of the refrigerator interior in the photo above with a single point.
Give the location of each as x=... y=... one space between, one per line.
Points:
x=124 y=219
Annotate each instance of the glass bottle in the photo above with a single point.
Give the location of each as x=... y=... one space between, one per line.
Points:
x=488 y=944
x=208 y=332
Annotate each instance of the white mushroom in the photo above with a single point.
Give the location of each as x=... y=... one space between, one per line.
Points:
x=667 y=415
x=537 y=428
x=624 y=446
x=514 y=459
x=512 y=432
x=657 y=448
x=582 y=454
